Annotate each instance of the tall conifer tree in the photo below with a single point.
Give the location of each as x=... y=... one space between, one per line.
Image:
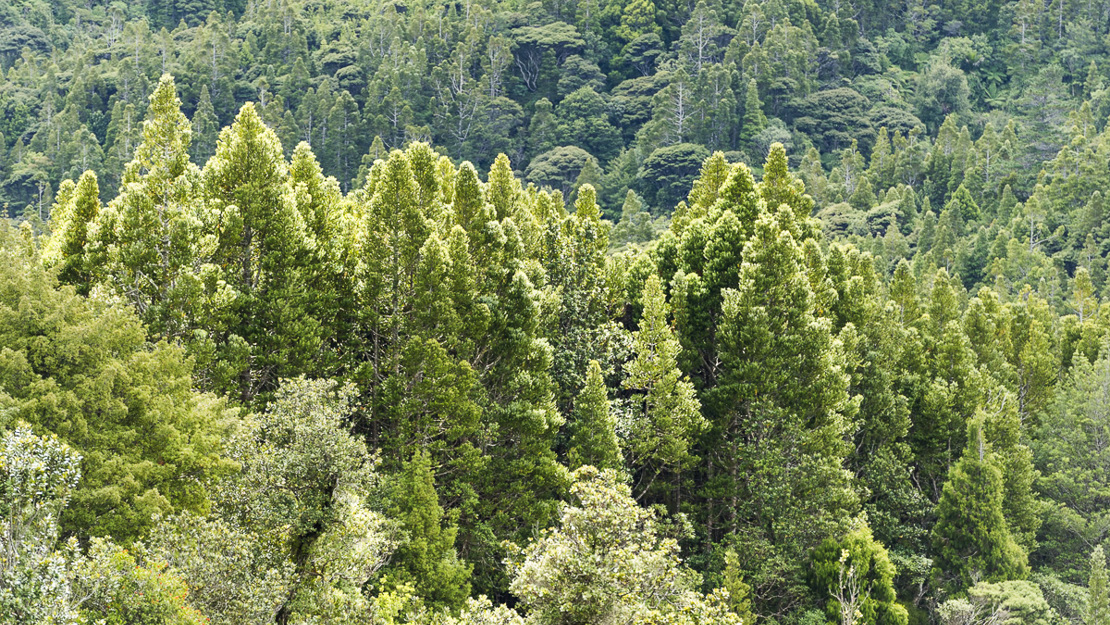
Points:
x=972 y=540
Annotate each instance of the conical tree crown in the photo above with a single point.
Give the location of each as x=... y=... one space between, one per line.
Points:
x=594 y=441
x=164 y=153
x=66 y=249
x=972 y=540
x=427 y=558
x=779 y=186
x=1098 y=590
x=249 y=173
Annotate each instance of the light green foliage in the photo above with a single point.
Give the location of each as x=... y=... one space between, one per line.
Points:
x=149 y=239
x=205 y=127
x=117 y=586
x=635 y=225
x=779 y=187
x=67 y=249
x=1012 y=602
x=1070 y=601
x=607 y=562
x=857 y=576
x=638 y=18
x=1098 y=590
x=303 y=490
x=481 y=611
x=594 y=439
x=37 y=477
x=235 y=576
x=42 y=582
x=82 y=369
x=665 y=418
x=739 y=592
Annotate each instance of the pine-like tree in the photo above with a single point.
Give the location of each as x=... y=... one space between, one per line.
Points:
x=780 y=404
x=972 y=540
x=426 y=558
x=68 y=247
x=149 y=235
x=594 y=438
x=261 y=249
x=779 y=187
x=754 y=120
x=667 y=414
x=206 y=128
x=1098 y=590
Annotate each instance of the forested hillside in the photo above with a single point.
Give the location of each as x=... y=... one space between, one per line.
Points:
x=557 y=313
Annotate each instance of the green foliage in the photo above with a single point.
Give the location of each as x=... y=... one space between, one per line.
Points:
x=772 y=375
x=835 y=118
x=781 y=396
x=667 y=173
x=303 y=490
x=558 y=168
x=82 y=369
x=666 y=414
x=68 y=248
x=972 y=538
x=38 y=476
x=607 y=561
x=481 y=611
x=425 y=558
x=1098 y=593
x=754 y=120
x=594 y=441
x=148 y=240
x=42 y=584
x=635 y=225
x=1070 y=459
x=857 y=575
x=739 y=592
x=235 y=576
x=118 y=587
x=260 y=251
x=1007 y=601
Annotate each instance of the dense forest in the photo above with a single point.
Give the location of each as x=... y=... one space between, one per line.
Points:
x=595 y=312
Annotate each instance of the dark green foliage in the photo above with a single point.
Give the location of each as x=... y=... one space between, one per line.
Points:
x=426 y=557
x=583 y=120
x=836 y=117
x=558 y=168
x=667 y=173
x=1071 y=460
x=972 y=537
